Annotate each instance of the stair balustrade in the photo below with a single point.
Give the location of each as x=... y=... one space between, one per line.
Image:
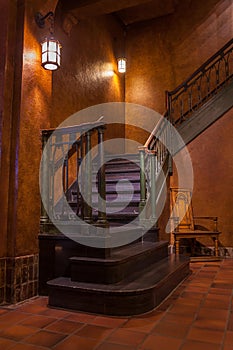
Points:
x=67 y=161
x=205 y=82
x=154 y=156
x=181 y=103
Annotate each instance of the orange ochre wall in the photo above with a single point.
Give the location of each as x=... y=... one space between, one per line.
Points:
x=160 y=55
x=88 y=75
x=163 y=53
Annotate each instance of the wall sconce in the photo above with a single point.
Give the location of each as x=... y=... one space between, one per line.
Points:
x=51 y=48
x=121 y=64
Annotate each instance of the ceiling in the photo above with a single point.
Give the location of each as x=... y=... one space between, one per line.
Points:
x=128 y=11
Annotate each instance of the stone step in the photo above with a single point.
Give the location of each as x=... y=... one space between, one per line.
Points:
x=122 y=263
x=137 y=294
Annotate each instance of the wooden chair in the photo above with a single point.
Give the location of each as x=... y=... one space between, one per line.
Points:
x=184 y=221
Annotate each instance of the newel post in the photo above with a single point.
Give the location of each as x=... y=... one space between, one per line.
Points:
x=152 y=155
x=142 y=154
x=45 y=181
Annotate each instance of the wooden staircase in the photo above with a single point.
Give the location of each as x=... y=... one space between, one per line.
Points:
x=130 y=279
x=122 y=178
x=135 y=276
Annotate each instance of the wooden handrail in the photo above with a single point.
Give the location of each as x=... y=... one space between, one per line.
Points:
x=201 y=68
x=74 y=128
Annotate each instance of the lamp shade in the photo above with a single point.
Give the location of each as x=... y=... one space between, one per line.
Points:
x=51 y=54
x=121 y=65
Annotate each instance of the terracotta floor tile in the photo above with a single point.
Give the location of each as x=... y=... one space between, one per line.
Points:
x=211 y=324
x=222 y=285
x=139 y=325
x=196 y=345
x=6 y=343
x=64 y=326
x=211 y=319
x=109 y=346
x=228 y=338
x=218 y=297
x=154 y=342
x=205 y=335
x=33 y=308
x=220 y=291
x=216 y=304
x=45 y=338
x=153 y=316
x=94 y=332
x=17 y=332
x=212 y=313
x=111 y=322
x=126 y=337
x=188 y=302
x=23 y=346
x=170 y=329
x=80 y=317
x=76 y=343
x=179 y=319
x=57 y=313
x=193 y=295
x=38 y=321
x=230 y=323
x=184 y=310
x=42 y=300
x=13 y=317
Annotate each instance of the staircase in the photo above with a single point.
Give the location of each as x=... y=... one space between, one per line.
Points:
x=122 y=179
x=131 y=271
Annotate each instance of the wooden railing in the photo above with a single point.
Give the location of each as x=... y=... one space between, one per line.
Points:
x=153 y=156
x=67 y=163
x=201 y=85
x=188 y=97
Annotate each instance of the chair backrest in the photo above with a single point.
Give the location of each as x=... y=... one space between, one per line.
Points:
x=181 y=208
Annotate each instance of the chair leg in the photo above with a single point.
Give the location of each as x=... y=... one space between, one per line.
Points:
x=177 y=244
x=216 y=250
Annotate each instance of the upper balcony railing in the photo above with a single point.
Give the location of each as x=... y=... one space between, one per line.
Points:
x=201 y=85
x=187 y=98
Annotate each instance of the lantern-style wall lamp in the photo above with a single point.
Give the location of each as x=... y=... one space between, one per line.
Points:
x=121 y=64
x=51 y=48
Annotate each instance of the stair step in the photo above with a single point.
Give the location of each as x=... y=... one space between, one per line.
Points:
x=131 y=296
x=123 y=156
x=122 y=263
x=124 y=171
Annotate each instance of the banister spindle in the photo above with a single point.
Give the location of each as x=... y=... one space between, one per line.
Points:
x=88 y=180
x=102 y=219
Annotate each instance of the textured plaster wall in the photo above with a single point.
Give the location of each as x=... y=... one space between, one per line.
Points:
x=7 y=18
x=89 y=73
x=212 y=158
x=163 y=53
x=34 y=116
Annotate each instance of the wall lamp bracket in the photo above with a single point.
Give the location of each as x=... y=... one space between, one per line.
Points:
x=40 y=19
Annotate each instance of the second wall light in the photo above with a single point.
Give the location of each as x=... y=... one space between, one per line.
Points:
x=51 y=48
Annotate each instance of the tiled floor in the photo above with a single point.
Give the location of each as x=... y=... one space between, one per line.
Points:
x=198 y=315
